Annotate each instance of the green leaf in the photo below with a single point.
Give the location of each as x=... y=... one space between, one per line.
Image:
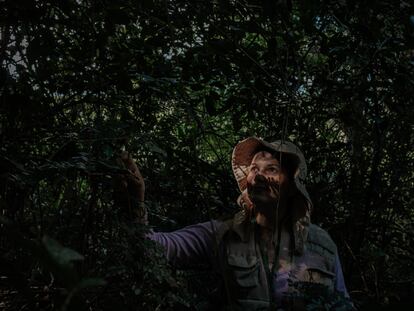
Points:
x=61 y=255
x=90 y=282
x=155 y=148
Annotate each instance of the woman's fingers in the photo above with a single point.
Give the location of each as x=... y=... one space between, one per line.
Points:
x=135 y=181
x=130 y=188
x=130 y=164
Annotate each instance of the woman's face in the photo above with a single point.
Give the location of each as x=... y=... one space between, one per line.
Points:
x=267 y=179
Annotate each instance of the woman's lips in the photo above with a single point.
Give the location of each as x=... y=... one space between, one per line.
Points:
x=260 y=188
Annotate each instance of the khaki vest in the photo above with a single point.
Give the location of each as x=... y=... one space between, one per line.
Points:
x=247 y=278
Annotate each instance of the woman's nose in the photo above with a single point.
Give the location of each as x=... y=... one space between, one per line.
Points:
x=259 y=178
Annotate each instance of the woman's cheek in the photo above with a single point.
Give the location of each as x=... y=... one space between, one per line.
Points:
x=250 y=178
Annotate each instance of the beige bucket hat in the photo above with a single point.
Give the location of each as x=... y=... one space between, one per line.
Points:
x=243 y=154
x=245 y=150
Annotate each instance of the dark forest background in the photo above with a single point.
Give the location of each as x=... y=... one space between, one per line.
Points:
x=178 y=84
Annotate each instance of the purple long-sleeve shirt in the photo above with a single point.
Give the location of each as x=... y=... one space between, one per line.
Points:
x=194 y=245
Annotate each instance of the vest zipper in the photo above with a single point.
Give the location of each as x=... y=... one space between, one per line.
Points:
x=270 y=274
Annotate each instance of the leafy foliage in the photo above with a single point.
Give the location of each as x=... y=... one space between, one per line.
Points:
x=178 y=83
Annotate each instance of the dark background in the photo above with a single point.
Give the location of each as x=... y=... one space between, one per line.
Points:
x=178 y=84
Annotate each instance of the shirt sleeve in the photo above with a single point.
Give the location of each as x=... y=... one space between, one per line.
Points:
x=339 y=280
x=188 y=247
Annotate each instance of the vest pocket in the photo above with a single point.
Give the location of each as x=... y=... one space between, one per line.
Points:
x=314 y=268
x=319 y=274
x=245 y=270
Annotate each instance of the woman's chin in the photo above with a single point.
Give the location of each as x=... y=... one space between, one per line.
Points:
x=263 y=200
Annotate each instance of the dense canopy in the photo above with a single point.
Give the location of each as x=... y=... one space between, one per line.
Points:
x=178 y=84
